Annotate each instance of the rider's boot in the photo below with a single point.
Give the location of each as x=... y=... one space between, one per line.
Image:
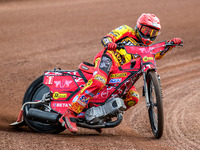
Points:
x=68 y=119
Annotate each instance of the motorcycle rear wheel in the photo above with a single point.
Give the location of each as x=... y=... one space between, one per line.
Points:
x=155 y=110
x=35 y=92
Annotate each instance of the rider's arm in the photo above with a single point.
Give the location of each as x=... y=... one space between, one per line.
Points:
x=160 y=54
x=175 y=41
x=116 y=34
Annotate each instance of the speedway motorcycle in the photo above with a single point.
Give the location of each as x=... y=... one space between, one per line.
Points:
x=47 y=98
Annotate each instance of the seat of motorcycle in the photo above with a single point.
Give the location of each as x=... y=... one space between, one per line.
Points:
x=87 y=67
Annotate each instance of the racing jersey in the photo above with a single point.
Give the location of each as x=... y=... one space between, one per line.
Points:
x=123 y=34
x=105 y=63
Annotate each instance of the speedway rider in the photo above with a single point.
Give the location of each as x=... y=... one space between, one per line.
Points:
x=146 y=30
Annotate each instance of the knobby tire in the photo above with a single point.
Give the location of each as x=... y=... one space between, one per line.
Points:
x=35 y=92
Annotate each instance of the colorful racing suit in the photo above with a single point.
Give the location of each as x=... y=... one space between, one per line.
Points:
x=104 y=65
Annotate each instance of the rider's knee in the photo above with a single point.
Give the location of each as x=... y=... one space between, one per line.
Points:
x=131 y=98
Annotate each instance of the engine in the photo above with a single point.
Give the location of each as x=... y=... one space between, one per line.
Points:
x=97 y=115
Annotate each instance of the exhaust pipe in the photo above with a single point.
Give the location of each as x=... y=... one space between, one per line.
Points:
x=42 y=116
x=104 y=125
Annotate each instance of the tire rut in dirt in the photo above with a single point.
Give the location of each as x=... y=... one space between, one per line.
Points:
x=181 y=125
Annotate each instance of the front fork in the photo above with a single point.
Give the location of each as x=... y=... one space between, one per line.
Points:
x=145 y=90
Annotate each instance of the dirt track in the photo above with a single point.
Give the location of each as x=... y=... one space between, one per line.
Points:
x=40 y=35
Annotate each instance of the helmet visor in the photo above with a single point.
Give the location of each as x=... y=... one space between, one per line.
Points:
x=147 y=31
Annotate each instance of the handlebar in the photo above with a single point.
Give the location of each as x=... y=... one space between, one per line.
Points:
x=172 y=44
x=122 y=46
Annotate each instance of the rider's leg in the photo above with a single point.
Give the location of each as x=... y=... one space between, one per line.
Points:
x=68 y=120
x=131 y=97
x=82 y=98
x=79 y=102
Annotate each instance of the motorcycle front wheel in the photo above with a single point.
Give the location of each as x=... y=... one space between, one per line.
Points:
x=35 y=92
x=156 y=106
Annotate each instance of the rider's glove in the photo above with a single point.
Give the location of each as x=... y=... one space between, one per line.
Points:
x=111 y=46
x=176 y=41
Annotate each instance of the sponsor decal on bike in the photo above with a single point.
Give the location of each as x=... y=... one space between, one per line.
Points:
x=58 y=95
x=100 y=78
x=48 y=80
x=62 y=84
x=117 y=80
x=147 y=58
x=60 y=105
x=118 y=75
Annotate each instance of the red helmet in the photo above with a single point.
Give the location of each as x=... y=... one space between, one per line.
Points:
x=147 y=28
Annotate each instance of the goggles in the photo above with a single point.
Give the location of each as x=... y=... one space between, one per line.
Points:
x=147 y=31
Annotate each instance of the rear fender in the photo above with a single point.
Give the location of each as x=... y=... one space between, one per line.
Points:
x=61 y=84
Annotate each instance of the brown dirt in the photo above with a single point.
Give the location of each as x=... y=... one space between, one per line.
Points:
x=40 y=35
